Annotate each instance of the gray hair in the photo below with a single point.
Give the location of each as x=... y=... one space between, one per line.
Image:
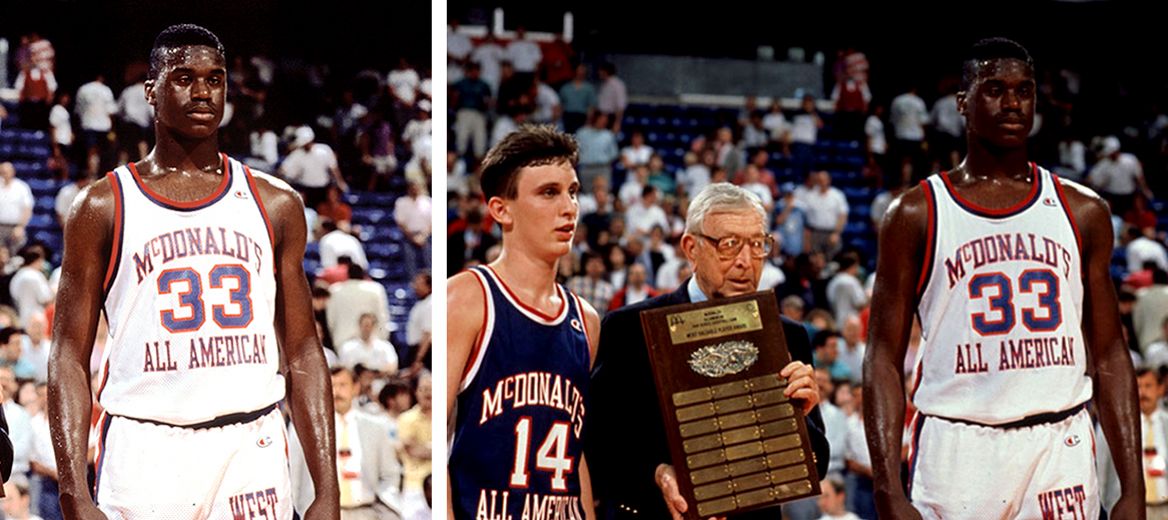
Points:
x=719 y=197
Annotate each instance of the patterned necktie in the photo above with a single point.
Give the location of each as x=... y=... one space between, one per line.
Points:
x=343 y=454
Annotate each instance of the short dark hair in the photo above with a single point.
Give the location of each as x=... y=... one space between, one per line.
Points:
x=530 y=145
x=394 y=386
x=847 y=260
x=820 y=339
x=991 y=49
x=337 y=370
x=181 y=35
x=6 y=334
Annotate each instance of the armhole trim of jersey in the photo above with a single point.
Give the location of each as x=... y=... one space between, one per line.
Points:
x=1058 y=189
x=115 y=257
x=583 y=322
x=930 y=239
x=255 y=193
x=99 y=457
x=479 y=351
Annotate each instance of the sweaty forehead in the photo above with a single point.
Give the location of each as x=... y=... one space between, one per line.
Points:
x=191 y=56
x=1002 y=68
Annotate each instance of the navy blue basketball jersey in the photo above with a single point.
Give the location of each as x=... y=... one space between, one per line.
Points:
x=520 y=416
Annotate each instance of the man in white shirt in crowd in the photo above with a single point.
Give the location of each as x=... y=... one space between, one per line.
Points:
x=524 y=54
x=16 y=203
x=371 y=352
x=826 y=213
x=412 y=214
x=1142 y=248
x=1117 y=176
x=908 y=116
x=490 y=55
x=29 y=287
x=612 y=97
x=95 y=107
x=832 y=500
x=136 y=121
x=419 y=327
x=845 y=291
x=349 y=300
x=852 y=347
x=336 y=243
x=37 y=347
x=458 y=48
x=64 y=199
x=311 y=166
x=19 y=425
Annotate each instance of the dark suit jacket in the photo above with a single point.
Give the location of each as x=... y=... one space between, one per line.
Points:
x=626 y=438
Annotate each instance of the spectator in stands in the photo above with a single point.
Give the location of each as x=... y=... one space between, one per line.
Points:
x=36 y=87
x=1118 y=176
x=752 y=181
x=778 y=127
x=790 y=221
x=805 y=125
x=19 y=424
x=1150 y=309
x=375 y=144
x=458 y=48
x=489 y=54
x=11 y=341
x=845 y=291
x=42 y=462
x=1156 y=353
x=591 y=285
x=636 y=288
x=369 y=351
x=524 y=55
x=660 y=177
x=754 y=133
x=17 y=501
x=415 y=433
x=335 y=209
x=637 y=152
x=833 y=496
x=851 y=96
x=827 y=213
x=1154 y=440
x=766 y=177
x=419 y=329
x=598 y=149
x=859 y=462
x=351 y=299
x=852 y=347
x=29 y=286
x=697 y=175
x=61 y=125
x=646 y=214
x=612 y=97
x=559 y=60
x=37 y=346
x=579 y=100
x=412 y=212
x=471 y=101
x=948 y=124
x=908 y=116
x=311 y=166
x=135 y=122
x=16 y=203
x=547 y=104
x=95 y=107
x=264 y=145
x=1141 y=247
x=403 y=82
x=336 y=243
x=876 y=142
x=368 y=469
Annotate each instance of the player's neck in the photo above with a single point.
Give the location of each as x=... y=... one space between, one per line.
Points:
x=983 y=163
x=533 y=279
x=175 y=153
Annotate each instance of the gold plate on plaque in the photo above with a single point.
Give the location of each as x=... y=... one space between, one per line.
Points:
x=788 y=474
x=753 y=498
x=783 y=443
x=699 y=411
x=775 y=413
x=715 y=490
x=701 y=427
x=713 y=507
x=697 y=395
x=772 y=429
x=733 y=404
x=749 y=433
x=703 y=476
x=709 y=458
x=748 y=466
x=785 y=458
x=706 y=442
x=742 y=451
x=714 y=322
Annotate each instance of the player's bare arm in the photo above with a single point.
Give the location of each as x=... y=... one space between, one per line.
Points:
x=310 y=390
x=464 y=301
x=88 y=238
x=901 y=255
x=1115 y=388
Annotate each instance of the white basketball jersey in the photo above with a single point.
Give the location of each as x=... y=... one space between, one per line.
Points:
x=190 y=299
x=1001 y=311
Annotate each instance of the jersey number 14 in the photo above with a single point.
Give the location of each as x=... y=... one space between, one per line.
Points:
x=551 y=455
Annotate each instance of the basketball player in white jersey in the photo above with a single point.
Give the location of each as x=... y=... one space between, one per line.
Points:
x=196 y=262
x=1006 y=266
x=509 y=321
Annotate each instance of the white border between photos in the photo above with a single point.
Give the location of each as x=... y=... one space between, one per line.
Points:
x=438 y=114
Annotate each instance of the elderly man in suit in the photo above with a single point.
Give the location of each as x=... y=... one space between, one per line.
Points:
x=367 y=464
x=726 y=241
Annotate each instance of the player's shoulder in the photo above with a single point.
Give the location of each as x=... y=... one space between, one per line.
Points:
x=96 y=199
x=911 y=206
x=1078 y=195
x=465 y=292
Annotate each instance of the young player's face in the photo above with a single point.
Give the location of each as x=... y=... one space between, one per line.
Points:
x=542 y=216
x=999 y=105
x=189 y=94
x=725 y=277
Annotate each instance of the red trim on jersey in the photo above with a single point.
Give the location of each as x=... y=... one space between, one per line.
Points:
x=116 y=244
x=528 y=308
x=583 y=320
x=105 y=375
x=260 y=202
x=930 y=238
x=1058 y=188
x=219 y=191
x=1035 y=179
x=917 y=375
x=478 y=344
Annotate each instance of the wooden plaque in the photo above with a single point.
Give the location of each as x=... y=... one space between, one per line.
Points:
x=737 y=443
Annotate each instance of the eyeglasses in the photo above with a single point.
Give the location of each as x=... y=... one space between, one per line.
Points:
x=730 y=246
